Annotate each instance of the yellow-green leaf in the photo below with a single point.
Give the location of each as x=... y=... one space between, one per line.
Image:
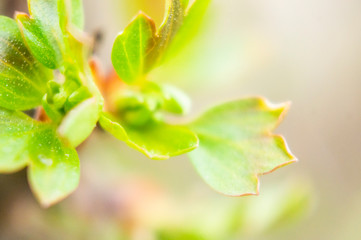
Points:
x=54 y=169
x=131 y=47
x=237 y=146
x=158 y=141
x=42 y=32
x=80 y=122
x=53 y=165
x=168 y=30
x=46 y=30
x=189 y=29
x=22 y=78
x=15 y=132
x=71 y=12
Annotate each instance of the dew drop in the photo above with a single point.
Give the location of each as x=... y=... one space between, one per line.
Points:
x=46 y=161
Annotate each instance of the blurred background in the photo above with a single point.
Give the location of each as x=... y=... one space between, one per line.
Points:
x=308 y=52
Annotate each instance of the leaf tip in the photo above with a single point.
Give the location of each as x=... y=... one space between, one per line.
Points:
x=45 y=200
x=19 y=16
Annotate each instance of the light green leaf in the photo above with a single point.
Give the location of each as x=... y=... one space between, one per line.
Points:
x=53 y=166
x=131 y=46
x=77 y=13
x=71 y=12
x=15 y=131
x=175 y=101
x=22 y=78
x=237 y=146
x=42 y=32
x=191 y=26
x=185 y=4
x=80 y=122
x=46 y=32
x=158 y=141
x=51 y=111
x=168 y=30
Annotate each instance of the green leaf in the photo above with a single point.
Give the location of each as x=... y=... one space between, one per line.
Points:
x=236 y=145
x=42 y=32
x=176 y=101
x=131 y=46
x=191 y=26
x=185 y=4
x=77 y=13
x=15 y=131
x=158 y=141
x=168 y=30
x=53 y=166
x=71 y=12
x=22 y=78
x=46 y=30
x=80 y=122
x=52 y=112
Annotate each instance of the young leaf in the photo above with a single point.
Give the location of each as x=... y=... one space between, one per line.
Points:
x=45 y=31
x=176 y=101
x=22 y=78
x=185 y=4
x=236 y=145
x=71 y=12
x=80 y=122
x=54 y=168
x=131 y=46
x=51 y=111
x=167 y=31
x=158 y=141
x=15 y=132
x=42 y=32
x=191 y=25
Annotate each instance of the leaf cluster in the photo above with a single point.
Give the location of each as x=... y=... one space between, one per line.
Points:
x=45 y=65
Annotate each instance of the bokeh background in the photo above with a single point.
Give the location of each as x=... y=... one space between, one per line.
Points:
x=308 y=52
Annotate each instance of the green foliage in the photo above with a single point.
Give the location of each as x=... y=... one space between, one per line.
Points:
x=191 y=25
x=53 y=165
x=236 y=145
x=158 y=141
x=80 y=122
x=166 y=33
x=131 y=47
x=234 y=141
x=22 y=78
x=42 y=32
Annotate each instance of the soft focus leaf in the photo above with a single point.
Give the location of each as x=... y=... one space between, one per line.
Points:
x=158 y=141
x=175 y=101
x=168 y=30
x=54 y=169
x=80 y=122
x=22 y=78
x=236 y=145
x=51 y=111
x=53 y=166
x=46 y=30
x=191 y=26
x=176 y=234
x=185 y=4
x=77 y=13
x=281 y=206
x=131 y=46
x=292 y=207
x=42 y=32
x=71 y=12
x=15 y=131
